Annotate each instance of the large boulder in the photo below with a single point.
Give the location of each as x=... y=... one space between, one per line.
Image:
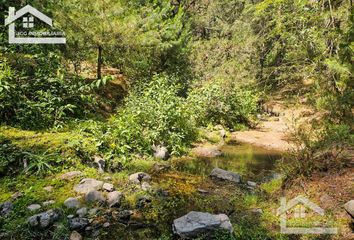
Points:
x=72 y=203
x=114 y=198
x=221 y=174
x=88 y=184
x=206 y=152
x=94 y=196
x=5 y=209
x=108 y=187
x=45 y=219
x=78 y=223
x=139 y=177
x=349 y=207
x=197 y=223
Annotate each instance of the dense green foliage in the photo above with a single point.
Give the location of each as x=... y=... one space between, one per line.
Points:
x=184 y=65
x=155 y=115
x=41 y=99
x=220 y=103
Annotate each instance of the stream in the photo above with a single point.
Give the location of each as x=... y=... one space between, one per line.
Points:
x=187 y=187
x=252 y=162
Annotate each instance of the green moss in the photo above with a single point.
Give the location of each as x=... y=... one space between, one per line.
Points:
x=52 y=140
x=272 y=186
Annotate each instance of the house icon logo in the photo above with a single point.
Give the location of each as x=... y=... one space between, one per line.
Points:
x=299 y=205
x=28 y=14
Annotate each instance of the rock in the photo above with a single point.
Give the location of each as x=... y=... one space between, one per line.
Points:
x=47 y=203
x=251 y=184
x=16 y=195
x=106 y=225
x=34 y=207
x=5 y=209
x=257 y=211
x=196 y=223
x=108 y=187
x=139 y=177
x=88 y=184
x=207 y=152
x=48 y=188
x=123 y=215
x=116 y=166
x=223 y=134
x=221 y=174
x=349 y=207
x=327 y=201
x=72 y=203
x=114 y=199
x=161 y=167
x=100 y=163
x=92 y=211
x=70 y=216
x=94 y=196
x=70 y=175
x=142 y=201
x=89 y=228
x=276 y=176
x=202 y=191
x=78 y=223
x=145 y=186
x=160 y=152
x=82 y=212
x=75 y=236
x=45 y=219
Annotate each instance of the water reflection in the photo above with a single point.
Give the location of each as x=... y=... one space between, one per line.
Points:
x=250 y=161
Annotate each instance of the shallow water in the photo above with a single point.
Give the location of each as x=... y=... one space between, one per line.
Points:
x=248 y=160
x=183 y=182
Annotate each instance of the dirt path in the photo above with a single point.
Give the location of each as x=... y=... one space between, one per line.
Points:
x=271 y=132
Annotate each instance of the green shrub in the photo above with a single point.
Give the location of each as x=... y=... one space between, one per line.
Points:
x=223 y=103
x=41 y=100
x=153 y=114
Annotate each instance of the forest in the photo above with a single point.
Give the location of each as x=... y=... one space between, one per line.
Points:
x=177 y=119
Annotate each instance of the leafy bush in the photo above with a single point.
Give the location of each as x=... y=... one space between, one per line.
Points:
x=41 y=100
x=222 y=103
x=153 y=114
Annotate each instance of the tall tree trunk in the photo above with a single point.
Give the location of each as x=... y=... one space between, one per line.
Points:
x=99 y=62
